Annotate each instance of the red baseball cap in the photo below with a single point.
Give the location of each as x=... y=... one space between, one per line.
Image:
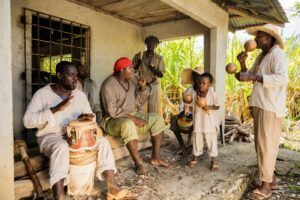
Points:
x=121 y=63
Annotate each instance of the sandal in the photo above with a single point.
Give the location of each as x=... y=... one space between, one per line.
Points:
x=258 y=195
x=214 y=167
x=123 y=194
x=193 y=163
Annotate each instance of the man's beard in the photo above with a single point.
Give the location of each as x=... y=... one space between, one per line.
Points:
x=70 y=86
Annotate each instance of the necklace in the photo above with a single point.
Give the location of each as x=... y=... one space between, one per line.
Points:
x=126 y=90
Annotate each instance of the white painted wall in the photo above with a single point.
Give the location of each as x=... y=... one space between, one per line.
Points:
x=6 y=116
x=175 y=30
x=110 y=38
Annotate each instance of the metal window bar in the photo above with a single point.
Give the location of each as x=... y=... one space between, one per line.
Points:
x=45 y=38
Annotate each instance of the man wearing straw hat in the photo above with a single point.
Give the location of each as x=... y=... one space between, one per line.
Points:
x=151 y=66
x=269 y=75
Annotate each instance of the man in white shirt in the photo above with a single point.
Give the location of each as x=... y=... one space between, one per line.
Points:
x=50 y=109
x=269 y=75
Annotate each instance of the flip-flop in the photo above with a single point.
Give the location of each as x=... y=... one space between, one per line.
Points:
x=123 y=194
x=274 y=187
x=214 y=167
x=193 y=163
x=258 y=195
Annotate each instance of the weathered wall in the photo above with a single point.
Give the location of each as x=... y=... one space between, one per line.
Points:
x=110 y=39
x=175 y=29
x=6 y=116
x=216 y=19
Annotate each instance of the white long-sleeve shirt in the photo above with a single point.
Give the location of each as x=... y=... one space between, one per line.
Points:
x=38 y=114
x=271 y=94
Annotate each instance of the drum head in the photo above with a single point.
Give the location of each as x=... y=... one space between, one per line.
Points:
x=185 y=123
x=81 y=123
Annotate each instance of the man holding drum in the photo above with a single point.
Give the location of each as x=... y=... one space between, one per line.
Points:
x=50 y=109
x=120 y=98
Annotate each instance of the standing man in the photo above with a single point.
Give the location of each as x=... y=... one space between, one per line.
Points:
x=50 y=109
x=269 y=75
x=151 y=66
x=120 y=97
x=89 y=87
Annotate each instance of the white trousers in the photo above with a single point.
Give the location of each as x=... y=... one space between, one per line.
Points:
x=211 y=139
x=56 y=148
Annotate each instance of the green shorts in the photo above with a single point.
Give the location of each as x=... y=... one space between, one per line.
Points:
x=125 y=128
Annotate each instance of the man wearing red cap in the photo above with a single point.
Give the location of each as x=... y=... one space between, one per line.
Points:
x=120 y=98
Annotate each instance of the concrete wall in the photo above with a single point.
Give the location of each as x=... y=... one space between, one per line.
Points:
x=6 y=115
x=175 y=30
x=216 y=19
x=110 y=39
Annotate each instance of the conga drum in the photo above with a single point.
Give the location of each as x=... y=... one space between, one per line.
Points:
x=83 y=138
x=185 y=123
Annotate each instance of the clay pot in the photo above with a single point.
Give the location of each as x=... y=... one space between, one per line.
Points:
x=250 y=45
x=187 y=98
x=201 y=102
x=231 y=68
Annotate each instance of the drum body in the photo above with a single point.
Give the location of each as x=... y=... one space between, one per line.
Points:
x=82 y=134
x=84 y=138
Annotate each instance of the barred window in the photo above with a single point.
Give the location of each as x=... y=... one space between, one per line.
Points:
x=49 y=40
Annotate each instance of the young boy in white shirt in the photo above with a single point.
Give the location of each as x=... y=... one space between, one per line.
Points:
x=205 y=124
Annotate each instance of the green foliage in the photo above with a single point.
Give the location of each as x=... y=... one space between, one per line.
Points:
x=178 y=54
x=297 y=9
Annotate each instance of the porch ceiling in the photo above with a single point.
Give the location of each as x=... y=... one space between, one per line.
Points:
x=242 y=13
x=140 y=12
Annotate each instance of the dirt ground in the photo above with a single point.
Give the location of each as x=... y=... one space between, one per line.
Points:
x=237 y=169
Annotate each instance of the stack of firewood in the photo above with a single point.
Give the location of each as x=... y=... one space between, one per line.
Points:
x=235 y=130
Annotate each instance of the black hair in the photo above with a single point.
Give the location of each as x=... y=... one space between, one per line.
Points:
x=78 y=64
x=151 y=38
x=209 y=76
x=62 y=66
x=196 y=78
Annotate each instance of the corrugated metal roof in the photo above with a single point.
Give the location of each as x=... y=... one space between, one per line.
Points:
x=247 y=13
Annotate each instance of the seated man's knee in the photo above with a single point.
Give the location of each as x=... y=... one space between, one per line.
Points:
x=61 y=147
x=128 y=130
x=127 y=125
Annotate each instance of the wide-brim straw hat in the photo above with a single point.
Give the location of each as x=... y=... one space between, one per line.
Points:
x=270 y=29
x=186 y=75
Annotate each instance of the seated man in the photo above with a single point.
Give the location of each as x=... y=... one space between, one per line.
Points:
x=89 y=87
x=119 y=99
x=50 y=109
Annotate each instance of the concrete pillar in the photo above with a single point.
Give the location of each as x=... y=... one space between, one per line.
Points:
x=207 y=51
x=218 y=48
x=6 y=114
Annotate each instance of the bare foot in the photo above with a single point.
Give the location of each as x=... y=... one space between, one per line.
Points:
x=140 y=169
x=160 y=162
